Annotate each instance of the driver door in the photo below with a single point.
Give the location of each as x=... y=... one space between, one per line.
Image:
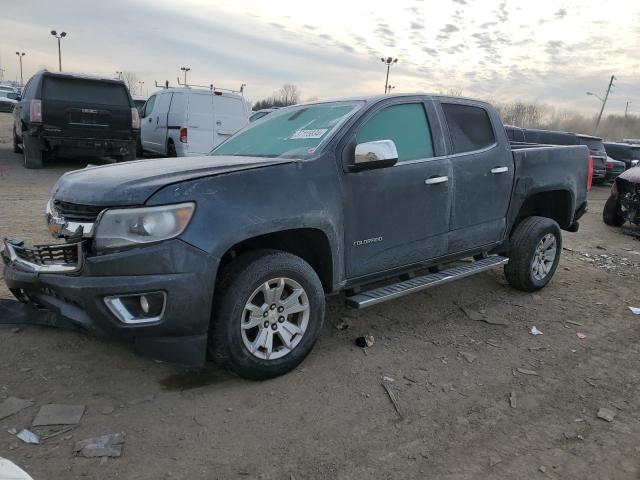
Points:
x=398 y=216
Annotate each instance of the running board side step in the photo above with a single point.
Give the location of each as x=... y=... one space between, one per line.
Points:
x=389 y=292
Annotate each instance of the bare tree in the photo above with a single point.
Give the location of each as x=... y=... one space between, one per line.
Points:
x=289 y=94
x=130 y=79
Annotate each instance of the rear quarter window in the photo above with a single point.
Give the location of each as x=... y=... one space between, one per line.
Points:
x=84 y=91
x=470 y=127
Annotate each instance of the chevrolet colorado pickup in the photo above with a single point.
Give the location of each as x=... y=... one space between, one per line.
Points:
x=234 y=253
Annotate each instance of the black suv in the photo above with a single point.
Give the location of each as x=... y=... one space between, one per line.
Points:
x=63 y=114
x=624 y=152
x=599 y=155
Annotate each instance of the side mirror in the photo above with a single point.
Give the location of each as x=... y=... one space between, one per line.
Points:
x=634 y=163
x=376 y=154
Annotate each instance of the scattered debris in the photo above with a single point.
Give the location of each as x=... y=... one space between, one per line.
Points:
x=590 y=383
x=573 y=436
x=59 y=432
x=469 y=357
x=492 y=343
x=535 y=349
x=10 y=471
x=512 y=399
x=27 y=436
x=494 y=460
x=542 y=468
x=12 y=431
x=13 y=405
x=535 y=331
x=388 y=379
x=108 y=410
x=635 y=310
x=526 y=371
x=136 y=401
x=343 y=323
x=54 y=414
x=392 y=396
x=481 y=316
x=581 y=335
x=573 y=323
x=104 y=446
x=365 y=341
x=606 y=414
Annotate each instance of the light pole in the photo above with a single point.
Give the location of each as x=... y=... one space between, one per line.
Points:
x=62 y=35
x=140 y=83
x=20 y=55
x=388 y=62
x=185 y=70
x=119 y=75
x=390 y=87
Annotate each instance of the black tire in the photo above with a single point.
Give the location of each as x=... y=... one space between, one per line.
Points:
x=16 y=143
x=524 y=243
x=612 y=213
x=171 y=150
x=235 y=287
x=32 y=155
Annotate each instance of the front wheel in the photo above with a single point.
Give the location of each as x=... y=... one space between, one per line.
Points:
x=268 y=314
x=536 y=245
x=612 y=213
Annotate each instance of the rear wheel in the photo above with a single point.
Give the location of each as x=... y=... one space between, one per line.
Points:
x=536 y=245
x=171 y=149
x=268 y=314
x=612 y=213
x=16 y=143
x=32 y=155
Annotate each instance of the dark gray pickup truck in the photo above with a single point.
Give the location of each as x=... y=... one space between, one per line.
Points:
x=233 y=253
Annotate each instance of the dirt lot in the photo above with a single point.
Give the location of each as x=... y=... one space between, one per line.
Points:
x=332 y=418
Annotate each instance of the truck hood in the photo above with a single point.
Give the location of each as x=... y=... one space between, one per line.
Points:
x=132 y=183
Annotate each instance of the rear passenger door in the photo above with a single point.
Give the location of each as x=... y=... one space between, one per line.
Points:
x=483 y=173
x=230 y=116
x=398 y=216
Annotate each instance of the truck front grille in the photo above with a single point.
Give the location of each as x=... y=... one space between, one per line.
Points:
x=72 y=212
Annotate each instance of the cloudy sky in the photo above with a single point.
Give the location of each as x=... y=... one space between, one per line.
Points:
x=547 y=51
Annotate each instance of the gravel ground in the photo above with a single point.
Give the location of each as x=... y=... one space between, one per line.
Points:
x=467 y=410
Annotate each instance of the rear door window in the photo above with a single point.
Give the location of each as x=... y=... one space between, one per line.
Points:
x=84 y=91
x=470 y=127
x=406 y=125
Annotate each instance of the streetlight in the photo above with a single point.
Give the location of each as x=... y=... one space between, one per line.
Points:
x=390 y=87
x=119 y=74
x=185 y=70
x=20 y=55
x=62 y=35
x=388 y=62
x=140 y=83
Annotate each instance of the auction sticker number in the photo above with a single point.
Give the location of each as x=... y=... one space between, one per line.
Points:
x=302 y=134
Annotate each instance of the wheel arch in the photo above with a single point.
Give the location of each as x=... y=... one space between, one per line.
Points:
x=310 y=244
x=556 y=204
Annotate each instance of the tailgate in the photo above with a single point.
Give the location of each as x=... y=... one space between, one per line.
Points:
x=83 y=108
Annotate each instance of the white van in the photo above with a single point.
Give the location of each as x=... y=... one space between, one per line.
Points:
x=187 y=121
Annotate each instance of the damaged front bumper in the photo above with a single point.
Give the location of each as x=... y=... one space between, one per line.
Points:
x=102 y=294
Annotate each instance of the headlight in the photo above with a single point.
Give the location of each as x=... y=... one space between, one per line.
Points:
x=130 y=226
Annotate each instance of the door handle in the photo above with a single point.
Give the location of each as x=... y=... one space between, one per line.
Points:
x=436 y=180
x=150 y=119
x=497 y=170
x=157 y=120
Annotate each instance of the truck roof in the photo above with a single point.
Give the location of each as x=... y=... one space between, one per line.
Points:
x=219 y=92
x=588 y=137
x=376 y=98
x=79 y=76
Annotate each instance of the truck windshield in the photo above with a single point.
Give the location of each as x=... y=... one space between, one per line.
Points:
x=290 y=132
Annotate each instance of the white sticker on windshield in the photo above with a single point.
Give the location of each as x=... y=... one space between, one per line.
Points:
x=317 y=133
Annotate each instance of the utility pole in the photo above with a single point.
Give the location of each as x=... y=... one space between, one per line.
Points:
x=185 y=70
x=626 y=109
x=604 y=102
